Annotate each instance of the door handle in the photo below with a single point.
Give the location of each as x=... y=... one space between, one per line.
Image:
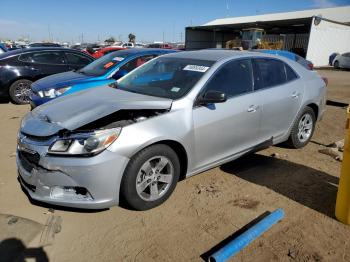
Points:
x=295 y=95
x=252 y=108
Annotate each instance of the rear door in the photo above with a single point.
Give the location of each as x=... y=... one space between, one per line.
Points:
x=77 y=61
x=44 y=63
x=224 y=129
x=281 y=94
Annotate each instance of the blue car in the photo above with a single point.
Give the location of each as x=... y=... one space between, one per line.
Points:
x=103 y=71
x=3 y=48
x=297 y=58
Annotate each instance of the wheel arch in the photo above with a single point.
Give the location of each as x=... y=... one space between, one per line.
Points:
x=180 y=152
x=315 y=108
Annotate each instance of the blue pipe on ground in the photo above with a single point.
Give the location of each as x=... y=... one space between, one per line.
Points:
x=243 y=240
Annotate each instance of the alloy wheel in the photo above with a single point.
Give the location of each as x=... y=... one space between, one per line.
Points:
x=154 y=178
x=305 y=128
x=22 y=92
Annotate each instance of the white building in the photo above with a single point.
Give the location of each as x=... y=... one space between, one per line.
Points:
x=315 y=34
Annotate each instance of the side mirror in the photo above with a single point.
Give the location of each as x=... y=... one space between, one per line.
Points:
x=212 y=97
x=119 y=74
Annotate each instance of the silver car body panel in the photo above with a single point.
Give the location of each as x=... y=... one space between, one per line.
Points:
x=73 y=112
x=210 y=135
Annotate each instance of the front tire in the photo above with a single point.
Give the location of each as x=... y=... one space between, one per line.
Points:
x=19 y=91
x=302 y=129
x=150 y=177
x=336 y=65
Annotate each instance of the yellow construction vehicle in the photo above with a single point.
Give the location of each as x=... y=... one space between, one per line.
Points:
x=252 y=38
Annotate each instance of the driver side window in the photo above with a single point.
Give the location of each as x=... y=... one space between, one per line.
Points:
x=233 y=78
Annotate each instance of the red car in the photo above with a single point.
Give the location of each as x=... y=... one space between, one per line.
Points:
x=106 y=50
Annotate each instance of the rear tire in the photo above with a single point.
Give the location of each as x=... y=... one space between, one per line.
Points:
x=150 y=177
x=19 y=91
x=303 y=129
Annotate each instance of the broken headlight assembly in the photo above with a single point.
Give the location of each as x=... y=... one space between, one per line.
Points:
x=52 y=93
x=85 y=144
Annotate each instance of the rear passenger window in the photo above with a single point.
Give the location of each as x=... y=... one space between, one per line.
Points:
x=269 y=73
x=291 y=75
x=74 y=59
x=234 y=78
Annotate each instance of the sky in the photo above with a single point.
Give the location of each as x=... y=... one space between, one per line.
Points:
x=149 y=20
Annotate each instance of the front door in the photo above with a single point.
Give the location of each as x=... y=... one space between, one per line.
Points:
x=224 y=129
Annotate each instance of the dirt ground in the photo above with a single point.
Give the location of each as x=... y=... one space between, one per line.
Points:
x=202 y=212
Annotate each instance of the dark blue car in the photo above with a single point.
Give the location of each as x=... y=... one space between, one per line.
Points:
x=103 y=71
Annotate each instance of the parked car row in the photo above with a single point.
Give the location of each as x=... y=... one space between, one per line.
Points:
x=20 y=68
x=103 y=71
x=130 y=140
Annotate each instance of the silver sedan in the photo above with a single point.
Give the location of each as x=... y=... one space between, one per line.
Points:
x=176 y=116
x=342 y=61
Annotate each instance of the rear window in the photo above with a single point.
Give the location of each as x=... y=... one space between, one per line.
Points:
x=291 y=75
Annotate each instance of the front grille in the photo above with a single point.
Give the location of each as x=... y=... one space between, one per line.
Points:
x=29 y=160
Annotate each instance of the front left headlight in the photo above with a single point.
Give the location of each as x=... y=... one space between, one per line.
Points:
x=52 y=93
x=85 y=144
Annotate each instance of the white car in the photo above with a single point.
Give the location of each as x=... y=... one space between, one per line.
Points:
x=342 y=61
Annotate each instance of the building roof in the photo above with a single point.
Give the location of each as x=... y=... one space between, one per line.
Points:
x=339 y=14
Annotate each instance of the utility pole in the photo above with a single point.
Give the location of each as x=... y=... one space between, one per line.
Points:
x=173 y=32
x=227 y=9
x=48 y=29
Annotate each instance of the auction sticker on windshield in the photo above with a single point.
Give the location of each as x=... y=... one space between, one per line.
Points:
x=196 y=68
x=118 y=58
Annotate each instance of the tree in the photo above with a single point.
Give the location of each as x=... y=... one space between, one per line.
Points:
x=110 y=40
x=132 y=38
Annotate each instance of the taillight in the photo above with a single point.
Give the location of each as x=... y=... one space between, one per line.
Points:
x=310 y=66
x=325 y=80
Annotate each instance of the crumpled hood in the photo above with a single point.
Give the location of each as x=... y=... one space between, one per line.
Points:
x=81 y=108
x=60 y=80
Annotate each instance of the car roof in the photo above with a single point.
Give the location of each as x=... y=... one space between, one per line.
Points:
x=212 y=54
x=31 y=49
x=142 y=51
x=148 y=50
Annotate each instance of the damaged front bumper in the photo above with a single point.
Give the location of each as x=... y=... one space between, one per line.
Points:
x=79 y=182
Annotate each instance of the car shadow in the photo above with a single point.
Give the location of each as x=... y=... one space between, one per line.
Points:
x=4 y=100
x=13 y=249
x=310 y=187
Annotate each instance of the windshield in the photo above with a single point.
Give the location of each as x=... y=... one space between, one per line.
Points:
x=101 y=66
x=167 y=77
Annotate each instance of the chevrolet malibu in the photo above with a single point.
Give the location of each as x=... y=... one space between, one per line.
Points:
x=176 y=116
